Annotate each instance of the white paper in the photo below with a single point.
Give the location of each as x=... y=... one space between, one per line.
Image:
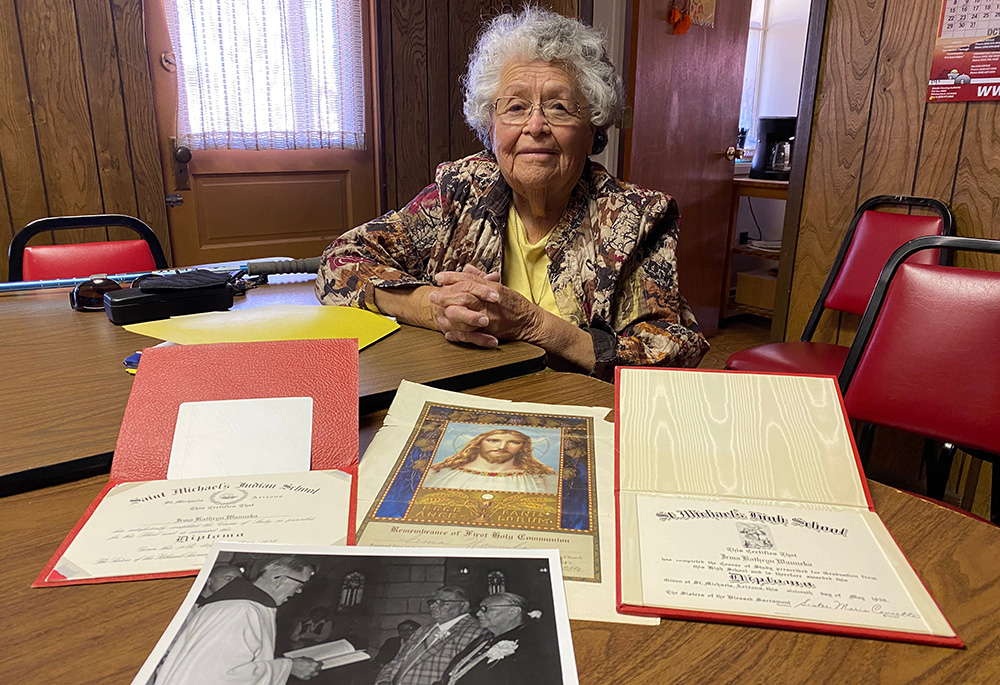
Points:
x=372 y=612
x=331 y=654
x=167 y=526
x=242 y=437
x=594 y=601
x=774 y=560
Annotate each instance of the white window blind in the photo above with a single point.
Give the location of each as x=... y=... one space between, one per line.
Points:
x=268 y=74
x=751 y=74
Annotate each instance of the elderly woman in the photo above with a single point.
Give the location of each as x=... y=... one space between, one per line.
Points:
x=532 y=241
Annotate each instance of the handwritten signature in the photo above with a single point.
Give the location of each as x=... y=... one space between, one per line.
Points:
x=844 y=606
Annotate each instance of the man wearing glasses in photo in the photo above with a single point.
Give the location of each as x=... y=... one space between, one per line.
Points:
x=514 y=651
x=424 y=657
x=231 y=638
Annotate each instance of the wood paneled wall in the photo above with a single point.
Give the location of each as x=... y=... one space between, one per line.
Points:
x=77 y=134
x=424 y=48
x=873 y=133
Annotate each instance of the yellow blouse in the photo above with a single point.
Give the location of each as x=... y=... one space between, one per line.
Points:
x=526 y=266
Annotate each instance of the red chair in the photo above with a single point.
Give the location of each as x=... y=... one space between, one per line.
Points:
x=925 y=358
x=870 y=240
x=77 y=260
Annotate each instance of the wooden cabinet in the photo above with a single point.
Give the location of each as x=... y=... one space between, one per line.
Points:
x=757 y=285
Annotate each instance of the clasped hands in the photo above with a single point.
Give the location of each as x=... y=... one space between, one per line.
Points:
x=473 y=307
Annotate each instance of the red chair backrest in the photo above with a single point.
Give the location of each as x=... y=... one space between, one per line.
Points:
x=876 y=237
x=78 y=260
x=930 y=366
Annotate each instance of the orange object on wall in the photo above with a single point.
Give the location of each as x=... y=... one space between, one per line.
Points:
x=681 y=27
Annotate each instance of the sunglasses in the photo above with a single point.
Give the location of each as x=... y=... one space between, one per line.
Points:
x=89 y=296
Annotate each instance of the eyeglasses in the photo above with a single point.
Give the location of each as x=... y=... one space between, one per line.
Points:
x=440 y=602
x=89 y=296
x=300 y=582
x=558 y=112
x=485 y=608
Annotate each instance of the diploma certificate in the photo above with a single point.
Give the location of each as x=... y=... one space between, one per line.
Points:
x=741 y=499
x=163 y=527
x=774 y=560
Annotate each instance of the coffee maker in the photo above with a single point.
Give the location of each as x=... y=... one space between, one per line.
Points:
x=772 y=159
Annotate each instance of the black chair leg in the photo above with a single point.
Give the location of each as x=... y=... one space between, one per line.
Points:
x=938 y=464
x=866 y=434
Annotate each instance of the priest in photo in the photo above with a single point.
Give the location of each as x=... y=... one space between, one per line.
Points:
x=231 y=638
x=500 y=459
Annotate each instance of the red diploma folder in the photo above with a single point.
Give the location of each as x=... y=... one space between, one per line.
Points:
x=741 y=499
x=325 y=370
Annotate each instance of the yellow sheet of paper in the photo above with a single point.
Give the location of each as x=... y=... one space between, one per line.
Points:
x=271 y=322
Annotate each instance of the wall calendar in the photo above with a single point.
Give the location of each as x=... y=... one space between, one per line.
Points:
x=965 y=66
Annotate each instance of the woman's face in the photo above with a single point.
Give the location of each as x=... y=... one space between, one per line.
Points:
x=535 y=155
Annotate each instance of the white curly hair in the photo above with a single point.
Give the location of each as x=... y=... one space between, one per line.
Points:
x=538 y=34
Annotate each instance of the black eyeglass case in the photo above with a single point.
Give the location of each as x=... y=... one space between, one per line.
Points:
x=150 y=301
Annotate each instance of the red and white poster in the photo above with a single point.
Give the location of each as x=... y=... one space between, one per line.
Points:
x=966 y=62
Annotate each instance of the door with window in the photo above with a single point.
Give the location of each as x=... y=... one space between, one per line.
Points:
x=265 y=122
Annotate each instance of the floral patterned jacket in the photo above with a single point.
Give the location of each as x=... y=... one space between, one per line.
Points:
x=613 y=254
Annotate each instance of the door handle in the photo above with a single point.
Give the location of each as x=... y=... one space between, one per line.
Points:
x=168 y=62
x=182 y=155
x=733 y=152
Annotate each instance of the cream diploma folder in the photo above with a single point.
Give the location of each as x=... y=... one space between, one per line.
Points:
x=741 y=500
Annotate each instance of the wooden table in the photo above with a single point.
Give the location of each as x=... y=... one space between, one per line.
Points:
x=66 y=389
x=103 y=633
x=744 y=186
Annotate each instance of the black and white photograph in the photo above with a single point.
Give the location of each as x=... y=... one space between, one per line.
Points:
x=275 y=614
